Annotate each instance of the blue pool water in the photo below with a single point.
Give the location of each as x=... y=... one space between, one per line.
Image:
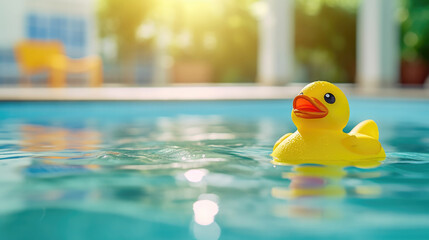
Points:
x=201 y=170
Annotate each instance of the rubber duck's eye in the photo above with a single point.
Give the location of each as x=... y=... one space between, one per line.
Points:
x=329 y=98
x=301 y=93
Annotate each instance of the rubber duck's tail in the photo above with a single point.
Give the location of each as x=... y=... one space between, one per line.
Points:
x=367 y=127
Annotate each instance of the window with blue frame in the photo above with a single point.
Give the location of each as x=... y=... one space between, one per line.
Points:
x=7 y=56
x=77 y=35
x=37 y=26
x=78 y=32
x=31 y=26
x=8 y=67
x=71 y=31
x=58 y=29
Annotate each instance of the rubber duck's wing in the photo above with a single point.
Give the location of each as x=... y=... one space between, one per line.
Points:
x=362 y=144
x=367 y=127
x=281 y=140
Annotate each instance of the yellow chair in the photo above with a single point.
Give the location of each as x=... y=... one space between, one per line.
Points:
x=48 y=56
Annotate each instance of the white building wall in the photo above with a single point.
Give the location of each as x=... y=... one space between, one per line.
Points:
x=11 y=22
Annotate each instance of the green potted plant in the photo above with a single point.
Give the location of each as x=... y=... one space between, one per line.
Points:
x=414 y=16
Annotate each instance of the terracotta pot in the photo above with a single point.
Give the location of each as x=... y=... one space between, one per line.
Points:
x=414 y=72
x=192 y=72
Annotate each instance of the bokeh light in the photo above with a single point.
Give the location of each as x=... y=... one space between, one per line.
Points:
x=205 y=211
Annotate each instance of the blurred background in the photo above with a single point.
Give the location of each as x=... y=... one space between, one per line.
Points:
x=58 y=43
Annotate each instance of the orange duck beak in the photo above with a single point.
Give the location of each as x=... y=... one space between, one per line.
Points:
x=308 y=107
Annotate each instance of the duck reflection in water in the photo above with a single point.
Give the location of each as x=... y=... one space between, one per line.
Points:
x=310 y=183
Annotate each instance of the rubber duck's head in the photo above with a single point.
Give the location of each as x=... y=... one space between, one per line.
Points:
x=320 y=105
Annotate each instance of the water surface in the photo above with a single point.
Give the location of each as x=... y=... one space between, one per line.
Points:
x=201 y=170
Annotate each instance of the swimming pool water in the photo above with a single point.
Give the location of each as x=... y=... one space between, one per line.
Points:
x=201 y=170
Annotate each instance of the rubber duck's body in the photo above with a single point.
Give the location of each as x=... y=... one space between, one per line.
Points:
x=320 y=113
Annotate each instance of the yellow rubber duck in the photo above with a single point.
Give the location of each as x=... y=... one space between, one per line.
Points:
x=320 y=113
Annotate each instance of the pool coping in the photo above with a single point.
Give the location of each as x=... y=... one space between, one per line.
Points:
x=191 y=93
